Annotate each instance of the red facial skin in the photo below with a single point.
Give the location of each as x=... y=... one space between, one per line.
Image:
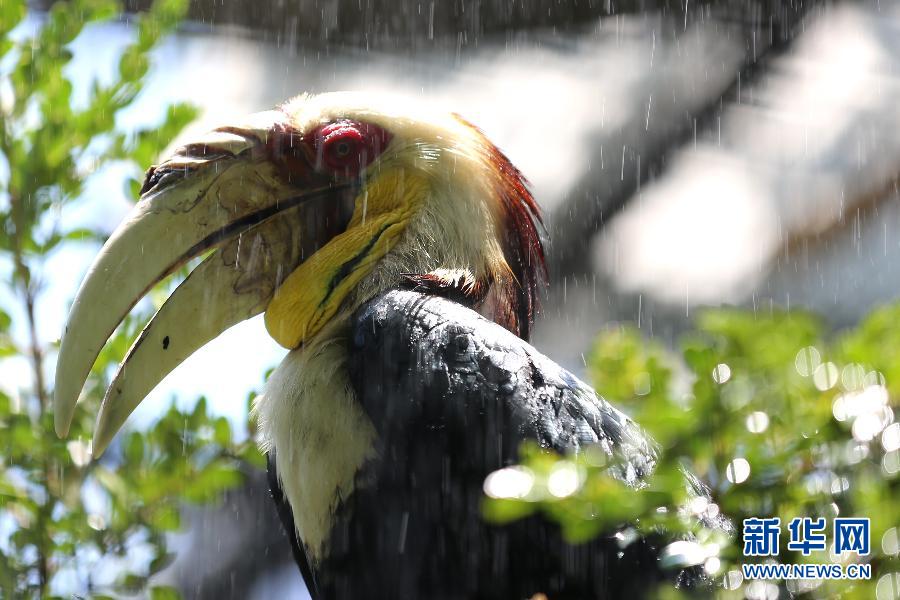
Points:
x=345 y=148
x=341 y=149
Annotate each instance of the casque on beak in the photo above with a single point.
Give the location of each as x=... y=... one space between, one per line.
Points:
x=261 y=208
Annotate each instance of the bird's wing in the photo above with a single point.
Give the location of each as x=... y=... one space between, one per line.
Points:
x=421 y=358
x=452 y=396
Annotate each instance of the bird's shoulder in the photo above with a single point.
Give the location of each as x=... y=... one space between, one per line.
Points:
x=422 y=358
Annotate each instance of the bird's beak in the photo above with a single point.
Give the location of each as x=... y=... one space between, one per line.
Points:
x=225 y=192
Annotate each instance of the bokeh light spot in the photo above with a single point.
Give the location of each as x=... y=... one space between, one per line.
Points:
x=890 y=438
x=509 y=483
x=890 y=542
x=738 y=470
x=807 y=360
x=722 y=373
x=564 y=479
x=888 y=587
x=757 y=422
x=825 y=376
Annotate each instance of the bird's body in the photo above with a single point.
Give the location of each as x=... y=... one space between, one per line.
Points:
x=432 y=399
x=396 y=253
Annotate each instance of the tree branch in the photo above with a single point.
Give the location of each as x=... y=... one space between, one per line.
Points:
x=26 y=286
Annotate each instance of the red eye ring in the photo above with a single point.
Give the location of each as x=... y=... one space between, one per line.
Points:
x=346 y=147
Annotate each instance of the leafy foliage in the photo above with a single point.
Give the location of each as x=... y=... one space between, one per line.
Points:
x=68 y=524
x=778 y=417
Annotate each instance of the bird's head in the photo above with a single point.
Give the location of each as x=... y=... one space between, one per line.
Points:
x=303 y=213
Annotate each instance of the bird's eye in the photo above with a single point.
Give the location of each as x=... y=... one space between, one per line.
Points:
x=342 y=148
x=346 y=147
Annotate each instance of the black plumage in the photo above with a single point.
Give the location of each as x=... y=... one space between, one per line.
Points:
x=452 y=397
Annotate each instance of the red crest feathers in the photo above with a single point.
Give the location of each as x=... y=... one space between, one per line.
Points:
x=516 y=301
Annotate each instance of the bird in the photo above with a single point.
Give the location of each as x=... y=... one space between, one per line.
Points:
x=398 y=255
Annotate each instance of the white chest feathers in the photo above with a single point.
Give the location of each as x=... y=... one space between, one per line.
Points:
x=321 y=436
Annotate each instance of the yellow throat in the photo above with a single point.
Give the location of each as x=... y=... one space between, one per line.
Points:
x=312 y=294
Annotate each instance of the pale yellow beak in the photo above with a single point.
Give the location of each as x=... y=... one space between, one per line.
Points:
x=222 y=193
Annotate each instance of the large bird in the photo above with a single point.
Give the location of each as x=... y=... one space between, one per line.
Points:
x=396 y=254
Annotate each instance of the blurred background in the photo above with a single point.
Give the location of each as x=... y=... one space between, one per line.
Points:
x=686 y=154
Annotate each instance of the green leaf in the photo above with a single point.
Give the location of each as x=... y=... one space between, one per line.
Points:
x=161 y=562
x=132 y=583
x=145 y=146
x=113 y=482
x=134 y=448
x=210 y=482
x=222 y=435
x=133 y=65
x=133 y=188
x=250 y=454
x=160 y=592
x=7 y=345
x=11 y=13
x=166 y=518
x=84 y=235
x=506 y=511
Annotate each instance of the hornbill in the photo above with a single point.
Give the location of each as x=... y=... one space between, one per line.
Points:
x=396 y=254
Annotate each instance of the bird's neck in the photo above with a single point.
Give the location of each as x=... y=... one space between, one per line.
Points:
x=317 y=290
x=455 y=256
x=405 y=225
